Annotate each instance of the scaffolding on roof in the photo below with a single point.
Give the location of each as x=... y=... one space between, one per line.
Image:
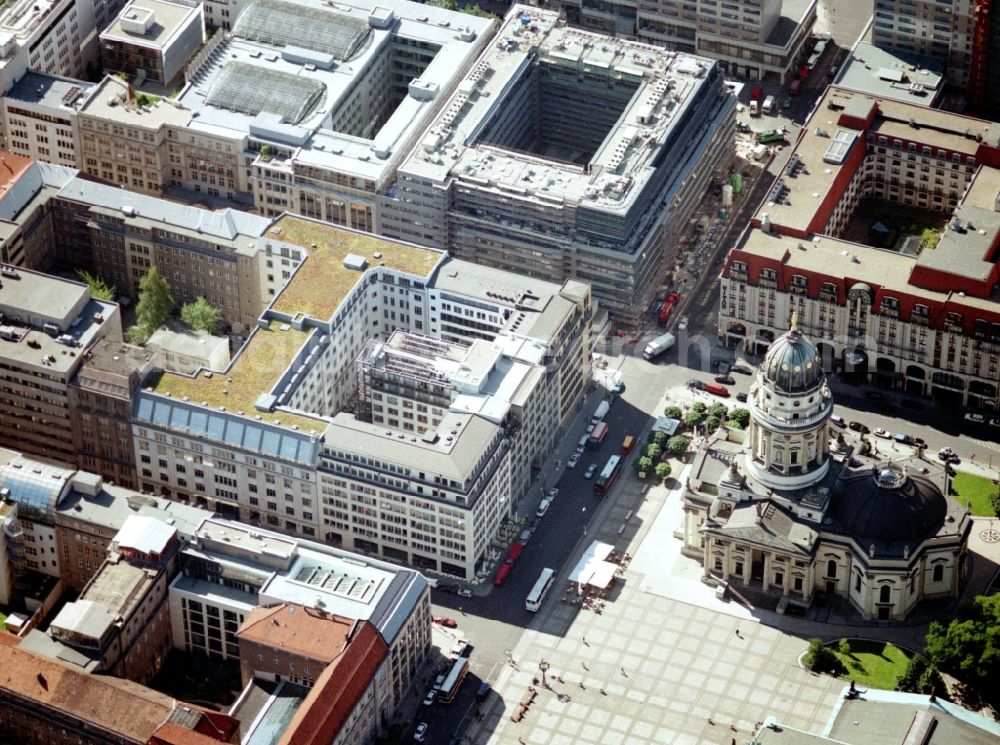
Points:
x=252 y=89
x=284 y=24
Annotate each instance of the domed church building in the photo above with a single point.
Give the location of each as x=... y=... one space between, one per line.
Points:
x=786 y=508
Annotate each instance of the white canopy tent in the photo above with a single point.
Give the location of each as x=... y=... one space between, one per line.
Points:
x=593 y=570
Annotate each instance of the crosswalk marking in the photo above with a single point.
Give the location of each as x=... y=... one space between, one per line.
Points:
x=994 y=446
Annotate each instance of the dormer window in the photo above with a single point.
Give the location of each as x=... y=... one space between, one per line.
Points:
x=768 y=274
x=799 y=281
x=920 y=310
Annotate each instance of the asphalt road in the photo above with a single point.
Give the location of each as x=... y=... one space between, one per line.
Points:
x=495 y=621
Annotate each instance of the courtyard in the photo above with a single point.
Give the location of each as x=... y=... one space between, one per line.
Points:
x=895 y=227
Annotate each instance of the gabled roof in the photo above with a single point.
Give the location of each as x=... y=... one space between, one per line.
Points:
x=338 y=690
x=122 y=707
x=297 y=629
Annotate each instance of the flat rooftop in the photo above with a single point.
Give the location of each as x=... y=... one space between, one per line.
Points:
x=665 y=82
x=807 y=191
x=256 y=369
x=898 y=75
x=108 y=102
x=168 y=19
x=305 y=46
x=50 y=91
x=793 y=13
x=453 y=451
x=118 y=586
x=322 y=282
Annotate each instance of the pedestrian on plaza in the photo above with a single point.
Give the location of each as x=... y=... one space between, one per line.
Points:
x=585 y=642
x=460 y=610
x=585 y=666
x=624 y=675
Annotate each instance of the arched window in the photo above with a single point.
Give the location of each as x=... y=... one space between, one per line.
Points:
x=831 y=568
x=883 y=594
x=938 y=574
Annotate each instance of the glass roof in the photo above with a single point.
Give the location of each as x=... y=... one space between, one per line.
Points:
x=259 y=437
x=252 y=89
x=284 y=24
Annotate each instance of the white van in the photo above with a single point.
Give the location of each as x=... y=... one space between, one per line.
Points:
x=582 y=444
x=769 y=104
x=543 y=507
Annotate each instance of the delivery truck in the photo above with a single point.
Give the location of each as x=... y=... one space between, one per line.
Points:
x=658 y=346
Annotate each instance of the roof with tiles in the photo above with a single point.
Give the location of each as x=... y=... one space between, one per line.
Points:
x=337 y=690
x=294 y=628
x=129 y=710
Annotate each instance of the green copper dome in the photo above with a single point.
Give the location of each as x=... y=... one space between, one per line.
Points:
x=792 y=364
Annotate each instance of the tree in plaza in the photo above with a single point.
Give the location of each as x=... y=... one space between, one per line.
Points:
x=699 y=406
x=693 y=418
x=652 y=451
x=968 y=647
x=201 y=316
x=659 y=437
x=739 y=418
x=820 y=658
x=642 y=465
x=677 y=445
x=673 y=412
x=663 y=471
x=99 y=289
x=155 y=302
x=712 y=423
x=718 y=410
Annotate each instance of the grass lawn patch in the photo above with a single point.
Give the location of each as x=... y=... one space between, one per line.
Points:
x=872 y=664
x=966 y=487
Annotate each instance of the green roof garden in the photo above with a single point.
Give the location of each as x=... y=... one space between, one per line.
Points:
x=256 y=369
x=322 y=282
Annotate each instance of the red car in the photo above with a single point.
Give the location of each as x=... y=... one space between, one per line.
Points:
x=448 y=623
x=717 y=390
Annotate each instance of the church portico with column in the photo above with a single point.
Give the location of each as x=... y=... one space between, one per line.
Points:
x=783 y=509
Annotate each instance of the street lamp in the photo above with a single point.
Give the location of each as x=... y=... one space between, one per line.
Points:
x=543 y=666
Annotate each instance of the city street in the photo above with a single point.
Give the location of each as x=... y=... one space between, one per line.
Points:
x=494 y=620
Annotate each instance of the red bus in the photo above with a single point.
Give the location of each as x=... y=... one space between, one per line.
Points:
x=502 y=574
x=607 y=478
x=514 y=553
x=668 y=307
x=597 y=436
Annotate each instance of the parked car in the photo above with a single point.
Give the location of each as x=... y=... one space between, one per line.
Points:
x=883 y=433
x=591 y=469
x=875 y=395
x=682 y=324
x=619 y=387
x=717 y=390
x=553 y=493
x=858 y=427
x=448 y=623
x=919 y=442
x=945 y=454
x=573 y=460
x=420 y=733
x=696 y=384
x=903 y=438
x=542 y=508
x=725 y=379
x=838 y=420
x=742 y=369
x=430 y=697
x=972 y=418
x=742 y=397
x=464 y=592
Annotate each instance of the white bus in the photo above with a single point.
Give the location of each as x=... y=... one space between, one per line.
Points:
x=449 y=689
x=537 y=595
